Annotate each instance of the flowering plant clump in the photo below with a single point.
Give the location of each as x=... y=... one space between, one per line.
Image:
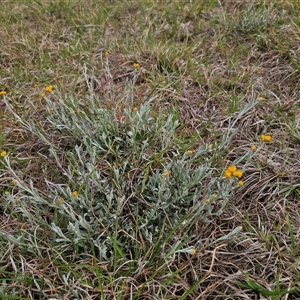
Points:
x=132 y=181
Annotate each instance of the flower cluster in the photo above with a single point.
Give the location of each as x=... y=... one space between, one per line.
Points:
x=49 y=88
x=266 y=138
x=233 y=171
x=2 y=93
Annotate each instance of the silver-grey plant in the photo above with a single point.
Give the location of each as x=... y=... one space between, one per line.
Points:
x=126 y=179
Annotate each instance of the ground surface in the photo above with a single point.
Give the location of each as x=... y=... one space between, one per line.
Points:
x=202 y=62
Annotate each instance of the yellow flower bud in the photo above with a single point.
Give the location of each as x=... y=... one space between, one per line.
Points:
x=227 y=174
x=60 y=200
x=231 y=169
x=238 y=174
x=166 y=174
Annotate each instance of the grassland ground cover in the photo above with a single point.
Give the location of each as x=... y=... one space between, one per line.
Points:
x=149 y=149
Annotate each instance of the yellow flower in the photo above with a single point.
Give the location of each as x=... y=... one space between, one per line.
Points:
x=106 y=53
x=2 y=93
x=260 y=98
x=241 y=183
x=207 y=201
x=136 y=65
x=43 y=95
x=238 y=174
x=266 y=138
x=75 y=194
x=60 y=200
x=35 y=85
x=215 y=196
x=49 y=88
x=190 y=151
x=227 y=174
x=192 y=251
x=166 y=173
x=3 y=153
x=14 y=182
x=231 y=169
x=253 y=147
x=135 y=108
